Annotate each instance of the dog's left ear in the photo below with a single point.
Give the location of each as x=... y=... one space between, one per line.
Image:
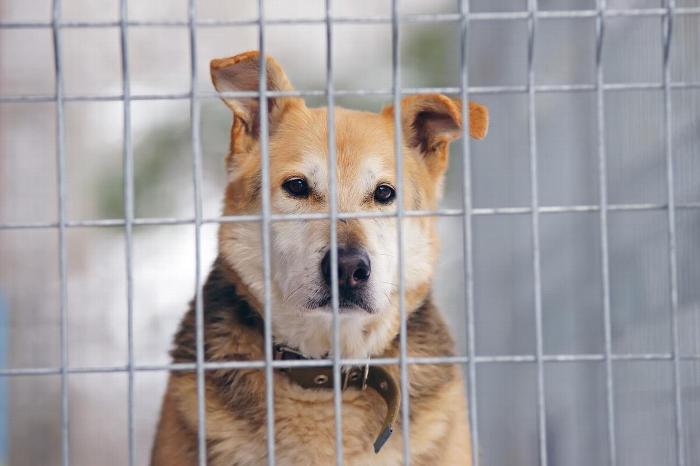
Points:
x=430 y=123
x=241 y=73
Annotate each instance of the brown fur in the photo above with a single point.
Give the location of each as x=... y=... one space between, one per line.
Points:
x=236 y=413
x=233 y=326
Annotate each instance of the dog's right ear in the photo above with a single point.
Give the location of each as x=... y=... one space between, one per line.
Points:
x=241 y=73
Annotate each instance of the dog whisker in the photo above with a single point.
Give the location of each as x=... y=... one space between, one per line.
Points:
x=296 y=290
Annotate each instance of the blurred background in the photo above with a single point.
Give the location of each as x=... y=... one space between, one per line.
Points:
x=163 y=256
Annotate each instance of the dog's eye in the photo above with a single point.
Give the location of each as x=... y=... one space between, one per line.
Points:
x=384 y=194
x=296 y=187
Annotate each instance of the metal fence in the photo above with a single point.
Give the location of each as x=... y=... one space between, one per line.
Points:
x=467 y=212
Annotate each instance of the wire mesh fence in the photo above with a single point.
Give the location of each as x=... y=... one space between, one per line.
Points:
x=466 y=211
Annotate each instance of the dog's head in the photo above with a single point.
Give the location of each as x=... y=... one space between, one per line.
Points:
x=368 y=273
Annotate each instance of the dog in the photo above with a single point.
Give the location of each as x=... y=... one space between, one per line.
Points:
x=300 y=288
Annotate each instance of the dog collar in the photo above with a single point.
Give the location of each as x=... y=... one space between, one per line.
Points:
x=375 y=377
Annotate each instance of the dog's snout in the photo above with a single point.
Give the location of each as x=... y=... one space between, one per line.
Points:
x=353 y=268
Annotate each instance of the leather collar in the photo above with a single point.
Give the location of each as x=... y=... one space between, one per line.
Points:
x=375 y=377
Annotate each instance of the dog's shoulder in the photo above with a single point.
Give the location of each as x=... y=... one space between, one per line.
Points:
x=232 y=329
x=428 y=337
x=428 y=332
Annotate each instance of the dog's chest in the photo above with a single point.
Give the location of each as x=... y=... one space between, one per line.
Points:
x=305 y=432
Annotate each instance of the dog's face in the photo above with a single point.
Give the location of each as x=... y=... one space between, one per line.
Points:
x=366 y=182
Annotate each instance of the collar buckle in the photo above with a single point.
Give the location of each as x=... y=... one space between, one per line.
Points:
x=356 y=373
x=365 y=374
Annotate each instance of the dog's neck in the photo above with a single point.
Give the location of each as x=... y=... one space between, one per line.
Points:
x=361 y=335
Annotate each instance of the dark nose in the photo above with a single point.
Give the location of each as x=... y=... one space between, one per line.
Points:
x=353 y=268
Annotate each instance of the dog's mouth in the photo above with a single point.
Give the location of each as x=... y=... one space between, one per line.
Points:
x=346 y=303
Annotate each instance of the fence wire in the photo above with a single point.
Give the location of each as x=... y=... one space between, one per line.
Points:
x=467 y=212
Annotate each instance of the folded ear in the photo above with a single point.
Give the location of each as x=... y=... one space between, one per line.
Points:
x=241 y=73
x=431 y=122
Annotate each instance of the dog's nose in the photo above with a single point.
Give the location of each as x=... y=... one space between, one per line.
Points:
x=353 y=268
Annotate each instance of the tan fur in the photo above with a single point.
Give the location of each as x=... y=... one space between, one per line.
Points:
x=304 y=418
x=305 y=430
